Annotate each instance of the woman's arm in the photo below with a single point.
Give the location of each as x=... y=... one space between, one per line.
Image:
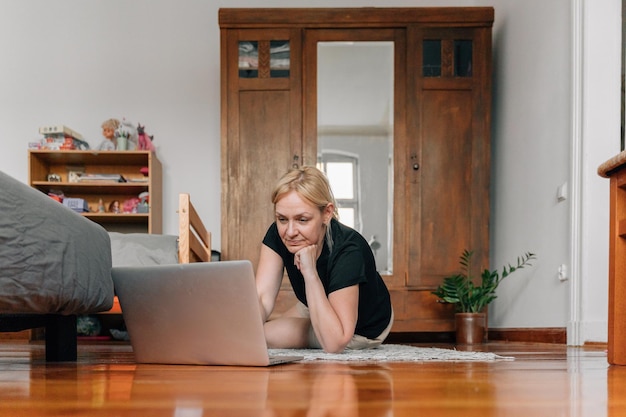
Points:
x=334 y=317
x=269 y=275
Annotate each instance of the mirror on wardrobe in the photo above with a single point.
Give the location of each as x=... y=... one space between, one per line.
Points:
x=355 y=133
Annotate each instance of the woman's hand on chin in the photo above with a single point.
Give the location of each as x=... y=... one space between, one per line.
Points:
x=305 y=259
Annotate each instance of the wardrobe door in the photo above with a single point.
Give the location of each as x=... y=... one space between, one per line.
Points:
x=261 y=130
x=449 y=151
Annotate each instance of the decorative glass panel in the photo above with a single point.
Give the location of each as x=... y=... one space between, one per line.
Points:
x=248 y=59
x=431 y=59
x=264 y=59
x=463 y=58
x=279 y=59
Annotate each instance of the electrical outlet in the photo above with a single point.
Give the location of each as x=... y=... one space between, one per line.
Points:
x=563 y=273
x=561 y=192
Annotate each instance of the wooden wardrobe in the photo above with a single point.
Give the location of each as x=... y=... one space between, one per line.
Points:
x=441 y=134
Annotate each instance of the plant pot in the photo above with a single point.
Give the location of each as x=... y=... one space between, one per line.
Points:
x=470 y=328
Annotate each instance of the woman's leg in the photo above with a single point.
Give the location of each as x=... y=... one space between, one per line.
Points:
x=361 y=342
x=288 y=331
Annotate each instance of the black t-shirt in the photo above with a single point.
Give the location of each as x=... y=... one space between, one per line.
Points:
x=350 y=263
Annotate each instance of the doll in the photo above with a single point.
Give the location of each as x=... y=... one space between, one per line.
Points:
x=108 y=131
x=114 y=207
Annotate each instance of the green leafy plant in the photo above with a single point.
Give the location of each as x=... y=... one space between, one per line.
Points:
x=470 y=297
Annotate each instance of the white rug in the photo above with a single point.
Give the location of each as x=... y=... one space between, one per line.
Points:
x=393 y=353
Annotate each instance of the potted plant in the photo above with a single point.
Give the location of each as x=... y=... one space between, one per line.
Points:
x=470 y=297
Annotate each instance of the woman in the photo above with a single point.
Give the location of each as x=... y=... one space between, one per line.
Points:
x=343 y=301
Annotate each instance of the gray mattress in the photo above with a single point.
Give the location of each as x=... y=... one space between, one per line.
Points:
x=52 y=260
x=140 y=249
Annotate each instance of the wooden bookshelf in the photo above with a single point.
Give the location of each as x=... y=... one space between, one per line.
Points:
x=127 y=164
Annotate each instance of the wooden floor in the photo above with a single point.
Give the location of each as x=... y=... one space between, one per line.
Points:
x=543 y=380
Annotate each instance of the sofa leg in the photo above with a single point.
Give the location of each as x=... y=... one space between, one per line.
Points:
x=61 y=343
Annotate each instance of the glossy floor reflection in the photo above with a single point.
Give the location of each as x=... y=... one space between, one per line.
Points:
x=543 y=380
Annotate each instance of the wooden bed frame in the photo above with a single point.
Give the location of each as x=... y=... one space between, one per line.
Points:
x=194 y=241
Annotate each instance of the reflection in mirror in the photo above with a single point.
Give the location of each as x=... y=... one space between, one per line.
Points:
x=355 y=137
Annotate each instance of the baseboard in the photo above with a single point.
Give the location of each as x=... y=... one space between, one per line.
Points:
x=19 y=335
x=420 y=337
x=556 y=335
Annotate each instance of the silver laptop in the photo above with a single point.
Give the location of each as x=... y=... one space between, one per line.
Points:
x=205 y=313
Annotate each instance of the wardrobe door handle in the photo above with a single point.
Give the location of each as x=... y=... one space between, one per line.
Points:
x=416 y=166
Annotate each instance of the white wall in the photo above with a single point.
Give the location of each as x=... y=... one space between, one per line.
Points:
x=600 y=131
x=531 y=159
x=78 y=63
x=157 y=62
x=556 y=119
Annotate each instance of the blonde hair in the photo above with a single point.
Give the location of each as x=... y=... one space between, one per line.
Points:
x=312 y=185
x=112 y=124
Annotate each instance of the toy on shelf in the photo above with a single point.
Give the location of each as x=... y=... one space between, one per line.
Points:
x=108 y=132
x=114 y=207
x=59 y=138
x=144 y=142
x=126 y=135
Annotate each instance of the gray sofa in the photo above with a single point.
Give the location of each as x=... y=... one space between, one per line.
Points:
x=54 y=266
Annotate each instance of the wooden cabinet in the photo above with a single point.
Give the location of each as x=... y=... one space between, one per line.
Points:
x=441 y=134
x=615 y=170
x=141 y=170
